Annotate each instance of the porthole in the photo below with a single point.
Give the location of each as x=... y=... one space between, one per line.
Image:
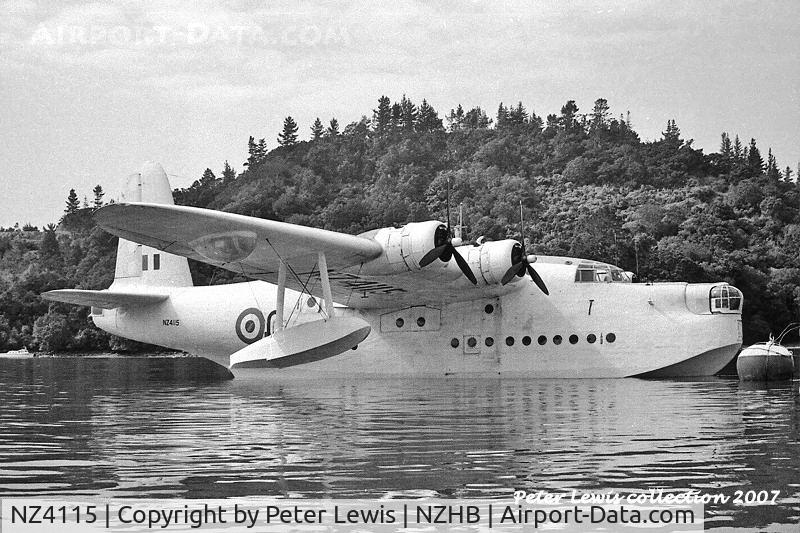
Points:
x=249 y=326
x=526 y=340
x=454 y=343
x=591 y=338
x=509 y=341
x=542 y=340
x=399 y=322
x=489 y=309
x=421 y=321
x=573 y=339
x=311 y=302
x=489 y=341
x=611 y=337
x=472 y=342
x=354 y=347
x=557 y=339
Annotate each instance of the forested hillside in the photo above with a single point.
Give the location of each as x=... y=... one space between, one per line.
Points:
x=589 y=187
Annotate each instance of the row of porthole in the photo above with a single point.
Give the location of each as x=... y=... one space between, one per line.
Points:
x=591 y=338
x=400 y=322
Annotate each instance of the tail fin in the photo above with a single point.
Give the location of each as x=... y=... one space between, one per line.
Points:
x=142 y=265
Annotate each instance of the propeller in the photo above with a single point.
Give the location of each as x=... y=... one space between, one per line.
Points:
x=443 y=246
x=521 y=263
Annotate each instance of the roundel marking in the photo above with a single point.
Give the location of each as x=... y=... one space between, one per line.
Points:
x=250 y=325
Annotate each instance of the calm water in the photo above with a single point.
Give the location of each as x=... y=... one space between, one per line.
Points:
x=133 y=428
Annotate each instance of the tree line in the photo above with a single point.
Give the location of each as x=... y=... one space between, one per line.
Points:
x=588 y=185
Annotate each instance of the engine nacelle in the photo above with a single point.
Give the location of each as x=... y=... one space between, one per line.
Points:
x=404 y=248
x=491 y=260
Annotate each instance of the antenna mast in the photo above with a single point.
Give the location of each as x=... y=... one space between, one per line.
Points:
x=460 y=226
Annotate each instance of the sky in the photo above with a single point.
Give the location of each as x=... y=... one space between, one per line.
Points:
x=91 y=90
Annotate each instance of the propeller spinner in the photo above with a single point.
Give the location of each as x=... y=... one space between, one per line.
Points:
x=443 y=249
x=520 y=263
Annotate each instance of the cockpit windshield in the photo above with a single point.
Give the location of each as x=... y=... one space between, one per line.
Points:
x=725 y=299
x=593 y=272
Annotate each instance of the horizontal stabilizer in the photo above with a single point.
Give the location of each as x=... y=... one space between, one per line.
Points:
x=107 y=299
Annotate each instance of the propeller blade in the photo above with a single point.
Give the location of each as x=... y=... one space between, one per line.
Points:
x=434 y=254
x=515 y=269
x=462 y=264
x=537 y=279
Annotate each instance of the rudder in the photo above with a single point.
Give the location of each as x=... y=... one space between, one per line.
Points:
x=142 y=265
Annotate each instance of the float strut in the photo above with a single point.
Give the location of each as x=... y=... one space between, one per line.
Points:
x=326 y=284
x=280 y=296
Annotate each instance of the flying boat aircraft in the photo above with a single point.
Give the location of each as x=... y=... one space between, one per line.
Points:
x=405 y=301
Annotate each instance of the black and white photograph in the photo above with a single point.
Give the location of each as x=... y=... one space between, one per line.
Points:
x=399 y=266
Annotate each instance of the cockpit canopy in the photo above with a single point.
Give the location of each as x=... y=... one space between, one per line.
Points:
x=596 y=272
x=725 y=299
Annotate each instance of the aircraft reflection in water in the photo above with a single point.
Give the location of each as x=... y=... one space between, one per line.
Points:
x=409 y=300
x=103 y=428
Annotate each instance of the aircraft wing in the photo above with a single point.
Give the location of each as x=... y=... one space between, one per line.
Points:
x=254 y=248
x=107 y=299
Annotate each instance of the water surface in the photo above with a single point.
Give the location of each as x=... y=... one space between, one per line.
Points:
x=135 y=429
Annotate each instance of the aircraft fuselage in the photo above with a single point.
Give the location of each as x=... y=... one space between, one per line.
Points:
x=582 y=329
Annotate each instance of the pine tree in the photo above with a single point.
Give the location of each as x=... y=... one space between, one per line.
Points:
x=787 y=174
x=251 y=150
x=599 y=115
x=208 y=179
x=569 y=113
x=517 y=116
x=397 y=116
x=502 y=116
x=256 y=152
x=288 y=137
x=772 y=167
x=317 y=129
x=456 y=118
x=261 y=151
x=98 y=196
x=726 y=148
x=408 y=118
x=475 y=118
x=382 y=117
x=73 y=204
x=754 y=160
x=552 y=122
x=428 y=119
x=535 y=122
x=672 y=135
x=228 y=174
x=333 y=128
x=738 y=150
x=49 y=251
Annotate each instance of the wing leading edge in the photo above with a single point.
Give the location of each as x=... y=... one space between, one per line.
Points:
x=255 y=247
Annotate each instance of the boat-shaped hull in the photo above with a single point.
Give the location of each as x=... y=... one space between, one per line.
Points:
x=590 y=330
